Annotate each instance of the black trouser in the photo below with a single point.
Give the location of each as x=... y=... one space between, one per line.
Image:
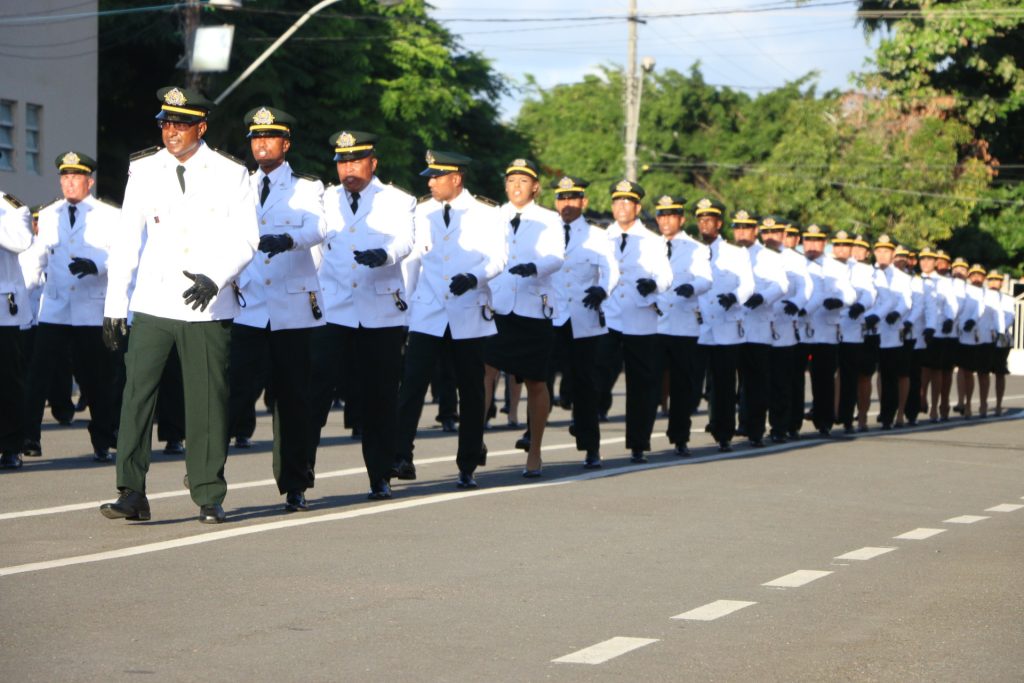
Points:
x=722 y=362
x=92 y=364
x=288 y=355
x=170 y=402
x=467 y=357
x=824 y=359
x=849 y=377
x=561 y=359
x=754 y=365
x=643 y=386
x=914 y=357
x=798 y=387
x=62 y=408
x=443 y=389
x=786 y=364
x=581 y=371
x=686 y=363
x=12 y=396
x=892 y=365
x=609 y=365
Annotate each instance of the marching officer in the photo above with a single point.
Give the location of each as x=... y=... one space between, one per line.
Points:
x=633 y=312
x=15 y=311
x=588 y=273
x=75 y=236
x=679 y=327
x=523 y=300
x=891 y=306
x=369 y=235
x=965 y=309
x=1003 y=330
x=754 y=362
x=721 y=308
x=913 y=335
x=971 y=350
x=188 y=229
x=855 y=362
x=279 y=289
x=940 y=309
x=459 y=248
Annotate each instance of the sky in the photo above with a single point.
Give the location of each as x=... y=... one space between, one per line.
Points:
x=750 y=51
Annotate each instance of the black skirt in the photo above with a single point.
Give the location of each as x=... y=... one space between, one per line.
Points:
x=522 y=347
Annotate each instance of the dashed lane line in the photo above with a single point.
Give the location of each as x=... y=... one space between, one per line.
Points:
x=714 y=610
x=863 y=554
x=801 y=577
x=964 y=519
x=605 y=650
x=919 y=534
x=1005 y=507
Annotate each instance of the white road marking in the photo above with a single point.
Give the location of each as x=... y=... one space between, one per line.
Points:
x=602 y=652
x=1005 y=507
x=714 y=610
x=868 y=553
x=919 y=534
x=964 y=519
x=801 y=577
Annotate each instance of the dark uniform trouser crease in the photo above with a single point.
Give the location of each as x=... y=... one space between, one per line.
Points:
x=12 y=374
x=203 y=348
x=722 y=361
x=640 y=362
x=584 y=377
x=824 y=359
x=850 y=354
x=786 y=365
x=687 y=362
x=754 y=362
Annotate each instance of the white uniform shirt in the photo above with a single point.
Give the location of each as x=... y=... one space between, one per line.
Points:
x=917 y=310
x=643 y=257
x=356 y=294
x=15 y=237
x=831 y=281
x=862 y=279
x=894 y=295
x=942 y=305
x=210 y=229
x=539 y=240
x=588 y=263
x=473 y=242
x=1005 y=326
x=993 y=321
x=799 y=290
x=770 y=282
x=731 y=273
x=690 y=265
x=972 y=309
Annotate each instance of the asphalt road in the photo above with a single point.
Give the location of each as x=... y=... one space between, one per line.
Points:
x=651 y=572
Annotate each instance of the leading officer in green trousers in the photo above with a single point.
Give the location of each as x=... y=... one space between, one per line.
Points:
x=188 y=229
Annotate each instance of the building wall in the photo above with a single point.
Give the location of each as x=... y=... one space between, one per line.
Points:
x=51 y=64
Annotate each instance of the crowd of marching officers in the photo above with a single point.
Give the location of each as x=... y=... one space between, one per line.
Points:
x=211 y=283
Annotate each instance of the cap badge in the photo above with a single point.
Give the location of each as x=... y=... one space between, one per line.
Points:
x=814 y=230
x=519 y=162
x=704 y=203
x=175 y=97
x=624 y=186
x=566 y=183
x=347 y=140
x=884 y=239
x=742 y=215
x=263 y=117
x=767 y=222
x=70 y=159
x=430 y=156
x=664 y=200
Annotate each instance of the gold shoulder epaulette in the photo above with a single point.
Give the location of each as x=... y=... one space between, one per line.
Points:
x=13 y=201
x=485 y=200
x=424 y=198
x=228 y=156
x=109 y=202
x=305 y=176
x=143 y=153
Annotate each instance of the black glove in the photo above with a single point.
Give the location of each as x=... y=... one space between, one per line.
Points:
x=462 y=283
x=907 y=326
x=523 y=269
x=595 y=295
x=201 y=293
x=727 y=300
x=645 y=286
x=685 y=291
x=114 y=332
x=929 y=333
x=371 y=258
x=754 y=301
x=871 y=320
x=82 y=266
x=856 y=310
x=969 y=325
x=832 y=303
x=803 y=312
x=275 y=244
x=790 y=308
x=891 y=317
x=947 y=326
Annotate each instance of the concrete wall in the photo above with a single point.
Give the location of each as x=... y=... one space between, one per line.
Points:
x=52 y=63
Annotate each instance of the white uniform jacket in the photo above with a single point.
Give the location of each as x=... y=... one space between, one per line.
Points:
x=799 y=289
x=588 y=263
x=992 y=323
x=731 y=273
x=280 y=291
x=15 y=237
x=770 y=281
x=66 y=299
x=862 y=279
x=210 y=229
x=356 y=294
x=893 y=287
x=539 y=240
x=644 y=256
x=473 y=242
x=940 y=304
x=1004 y=328
x=916 y=314
x=831 y=281
x=973 y=309
x=690 y=265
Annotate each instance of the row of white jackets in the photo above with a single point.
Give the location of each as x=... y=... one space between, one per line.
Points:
x=15 y=238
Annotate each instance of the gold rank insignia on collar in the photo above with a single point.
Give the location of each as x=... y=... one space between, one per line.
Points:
x=175 y=97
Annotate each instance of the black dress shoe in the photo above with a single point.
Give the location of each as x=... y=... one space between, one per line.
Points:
x=211 y=514
x=848 y=429
x=448 y=425
x=572 y=429
x=295 y=501
x=724 y=447
x=532 y=474
x=242 y=442
x=130 y=505
x=357 y=433
x=10 y=460
x=793 y=436
x=593 y=460
x=778 y=438
x=405 y=470
x=174 y=447
x=102 y=455
x=824 y=433
x=602 y=417
x=638 y=457
x=380 y=490
x=886 y=427
x=482 y=460
x=682 y=451
x=757 y=443
x=523 y=442
x=466 y=481
x=32 y=449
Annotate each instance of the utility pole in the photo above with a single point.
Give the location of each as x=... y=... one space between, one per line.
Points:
x=631 y=96
x=189 y=25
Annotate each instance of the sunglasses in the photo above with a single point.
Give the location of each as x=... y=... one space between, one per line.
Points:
x=176 y=125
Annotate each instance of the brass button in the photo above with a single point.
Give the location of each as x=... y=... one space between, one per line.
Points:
x=355 y=284
x=267 y=281
x=352 y=229
x=266 y=261
x=264 y=221
x=446 y=238
x=72 y=288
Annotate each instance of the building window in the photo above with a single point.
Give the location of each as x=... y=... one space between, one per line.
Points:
x=7 y=135
x=33 y=128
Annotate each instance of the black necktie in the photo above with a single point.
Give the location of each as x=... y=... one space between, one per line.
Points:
x=181 y=178
x=71 y=214
x=669 y=243
x=515 y=222
x=622 y=245
x=265 y=192
x=355 y=201
x=447 y=215
x=567 y=229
